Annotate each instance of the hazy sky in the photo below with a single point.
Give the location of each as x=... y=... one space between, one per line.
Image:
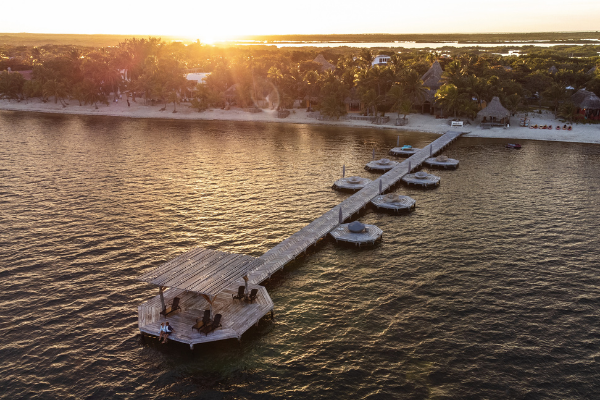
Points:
x=220 y=19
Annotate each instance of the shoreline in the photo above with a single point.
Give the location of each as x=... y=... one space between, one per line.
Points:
x=581 y=133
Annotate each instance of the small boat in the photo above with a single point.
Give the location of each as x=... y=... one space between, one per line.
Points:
x=513 y=146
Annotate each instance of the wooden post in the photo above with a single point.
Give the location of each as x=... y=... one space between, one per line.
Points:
x=409 y=168
x=373 y=153
x=162 y=298
x=398 y=142
x=341 y=218
x=246 y=283
x=344 y=171
x=380 y=186
x=431 y=150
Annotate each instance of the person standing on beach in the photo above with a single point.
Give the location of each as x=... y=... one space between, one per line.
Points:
x=128 y=105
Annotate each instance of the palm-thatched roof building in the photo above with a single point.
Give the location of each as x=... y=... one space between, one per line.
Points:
x=353 y=102
x=587 y=103
x=433 y=80
x=325 y=65
x=494 y=113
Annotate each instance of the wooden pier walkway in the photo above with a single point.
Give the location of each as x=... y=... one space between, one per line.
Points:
x=273 y=260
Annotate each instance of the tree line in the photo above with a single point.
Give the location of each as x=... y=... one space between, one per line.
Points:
x=155 y=71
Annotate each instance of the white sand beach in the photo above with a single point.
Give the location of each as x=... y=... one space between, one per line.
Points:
x=581 y=133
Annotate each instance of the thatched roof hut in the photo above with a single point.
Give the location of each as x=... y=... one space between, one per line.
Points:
x=433 y=77
x=585 y=99
x=325 y=65
x=494 y=110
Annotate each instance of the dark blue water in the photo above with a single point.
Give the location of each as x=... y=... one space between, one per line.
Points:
x=490 y=289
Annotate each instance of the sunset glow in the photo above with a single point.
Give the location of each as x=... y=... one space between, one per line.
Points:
x=217 y=21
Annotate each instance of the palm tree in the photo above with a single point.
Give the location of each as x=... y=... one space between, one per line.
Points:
x=370 y=99
x=396 y=96
x=412 y=85
x=555 y=93
x=449 y=97
x=55 y=88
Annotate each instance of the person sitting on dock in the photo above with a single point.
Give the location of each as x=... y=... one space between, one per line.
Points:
x=167 y=332
x=162 y=331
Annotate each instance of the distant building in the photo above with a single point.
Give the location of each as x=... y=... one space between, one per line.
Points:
x=381 y=60
x=198 y=77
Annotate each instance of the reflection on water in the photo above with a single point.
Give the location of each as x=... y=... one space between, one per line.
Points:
x=488 y=290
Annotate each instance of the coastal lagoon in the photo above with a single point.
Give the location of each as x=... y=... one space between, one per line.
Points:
x=490 y=289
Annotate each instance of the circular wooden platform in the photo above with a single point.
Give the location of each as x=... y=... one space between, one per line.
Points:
x=397 y=151
x=382 y=165
x=394 y=202
x=442 y=162
x=370 y=236
x=351 y=183
x=421 y=179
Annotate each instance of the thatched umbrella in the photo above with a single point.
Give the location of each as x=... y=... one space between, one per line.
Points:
x=494 y=110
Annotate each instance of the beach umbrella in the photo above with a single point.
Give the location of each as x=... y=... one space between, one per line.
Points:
x=373 y=153
x=344 y=171
x=341 y=218
x=380 y=186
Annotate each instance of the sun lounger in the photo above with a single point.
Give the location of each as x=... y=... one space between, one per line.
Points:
x=240 y=293
x=201 y=323
x=456 y=124
x=252 y=295
x=174 y=307
x=213 y=325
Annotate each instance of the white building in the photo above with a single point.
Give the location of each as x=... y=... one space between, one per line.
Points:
x=198 y=77
x=380 y=60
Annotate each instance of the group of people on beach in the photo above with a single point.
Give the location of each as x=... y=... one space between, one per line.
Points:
x=165 y=331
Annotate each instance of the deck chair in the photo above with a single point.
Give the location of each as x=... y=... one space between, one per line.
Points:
x=174 y=307
x=201 y=323
x=212 y=326
x=240 y=294
x=252 y=295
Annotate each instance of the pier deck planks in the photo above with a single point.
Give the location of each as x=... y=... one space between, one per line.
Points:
x=276 y=258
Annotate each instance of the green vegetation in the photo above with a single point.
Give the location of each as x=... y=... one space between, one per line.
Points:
x=264 y=76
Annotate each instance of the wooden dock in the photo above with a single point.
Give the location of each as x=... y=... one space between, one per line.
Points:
x=205 y=279
x=273 y=260
x=238 y=315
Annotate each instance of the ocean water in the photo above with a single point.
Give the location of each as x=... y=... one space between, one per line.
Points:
x=490 y=289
